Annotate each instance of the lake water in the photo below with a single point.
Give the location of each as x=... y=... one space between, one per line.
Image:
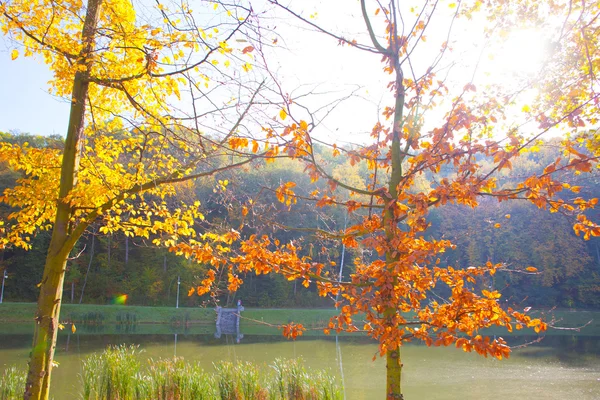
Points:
x=559 y=367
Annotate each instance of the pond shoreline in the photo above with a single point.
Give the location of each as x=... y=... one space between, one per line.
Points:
x=267 y=319
x=124 y=314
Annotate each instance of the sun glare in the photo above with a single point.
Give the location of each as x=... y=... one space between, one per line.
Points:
x=522 y=52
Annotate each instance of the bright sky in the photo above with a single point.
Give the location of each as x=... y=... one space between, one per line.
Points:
x=304 y=57
x=25 y=104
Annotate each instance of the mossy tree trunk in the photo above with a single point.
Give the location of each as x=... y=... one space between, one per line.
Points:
x=64 y=234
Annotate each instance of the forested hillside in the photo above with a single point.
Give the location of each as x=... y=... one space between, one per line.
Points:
x=103 y=267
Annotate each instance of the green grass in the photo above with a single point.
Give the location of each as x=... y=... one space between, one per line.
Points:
x=116 y=319
x=111 y=314
x=253 y=319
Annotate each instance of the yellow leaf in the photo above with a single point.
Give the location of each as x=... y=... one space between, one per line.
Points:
x=61 y=326
x=14 y=54
x=452 y=5
x=73 y=329
x=507 y=216
x=303 y=125
x=497 y=226
x=526 y=108
x=531 y=269
x=282 y=114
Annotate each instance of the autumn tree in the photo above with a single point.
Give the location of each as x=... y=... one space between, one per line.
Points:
x=159 y=94
x=462 y=130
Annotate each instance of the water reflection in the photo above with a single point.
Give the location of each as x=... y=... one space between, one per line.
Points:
x=228 y=322
x=559 y=367
x=574 y=350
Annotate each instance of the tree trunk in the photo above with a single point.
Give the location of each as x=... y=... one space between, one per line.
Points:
x=390 y=222
x=393 y=375
x=126 y=249
x=88 y=267
x=64 y=236
x=46 y=321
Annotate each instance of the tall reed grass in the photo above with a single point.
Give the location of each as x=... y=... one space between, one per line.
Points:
x=12 y=384
x=116 y=374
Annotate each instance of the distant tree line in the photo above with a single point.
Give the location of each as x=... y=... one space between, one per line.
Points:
x=103 y=267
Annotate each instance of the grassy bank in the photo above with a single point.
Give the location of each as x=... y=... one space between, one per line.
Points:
x=130 y=315
x=111 y=314
x=310 y=318
x=124 y=319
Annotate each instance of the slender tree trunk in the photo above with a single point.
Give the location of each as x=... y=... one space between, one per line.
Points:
x=390 y=222
x=72 y=291
x=393 y=374
x=63 y=238
x=46 y=322
x=126 y=249
x=88 y=267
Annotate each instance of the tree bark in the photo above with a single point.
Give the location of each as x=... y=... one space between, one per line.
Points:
x=88 y=268
x=390 y=222
x=63 y=237
x=126 y=249
x=394 y=375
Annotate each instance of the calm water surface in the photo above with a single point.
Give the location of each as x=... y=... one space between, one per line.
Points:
x=560 y=367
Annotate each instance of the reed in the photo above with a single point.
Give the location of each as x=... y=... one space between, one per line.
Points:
x=12 y=384
x=117 y=374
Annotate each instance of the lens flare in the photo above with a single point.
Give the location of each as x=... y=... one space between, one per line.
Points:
x=120 y=299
